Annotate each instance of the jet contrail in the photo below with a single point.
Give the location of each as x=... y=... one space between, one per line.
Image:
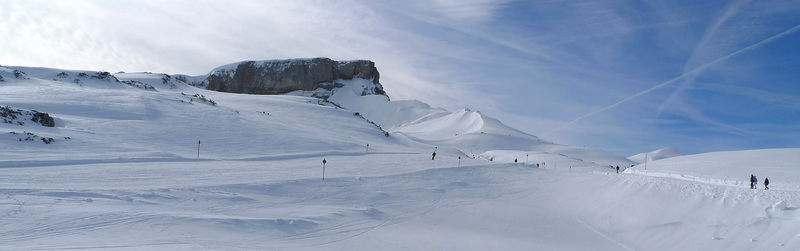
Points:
x=696 y=70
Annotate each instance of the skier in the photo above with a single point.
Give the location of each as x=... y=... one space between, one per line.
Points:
x=433 y=156
x=617 y=169
x=752 y=181
x=766 y=183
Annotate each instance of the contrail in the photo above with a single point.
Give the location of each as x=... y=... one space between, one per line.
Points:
x=696 y=70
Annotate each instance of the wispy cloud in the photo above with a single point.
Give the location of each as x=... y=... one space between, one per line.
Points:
x=780 y=100
x=723 y=39
x=469 y=11
x=687 y=75
x=703 y=52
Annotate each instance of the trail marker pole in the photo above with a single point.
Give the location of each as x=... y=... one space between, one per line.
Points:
x=323 y=168
x=198 y=149
x=645 y=161
x=459 y=161
x=367 y=147
x=526 y=159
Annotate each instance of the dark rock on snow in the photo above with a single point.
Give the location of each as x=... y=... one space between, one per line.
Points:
x=18 y=116
x=284 y=76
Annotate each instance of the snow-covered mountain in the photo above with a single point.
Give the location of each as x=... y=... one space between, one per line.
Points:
x=151 y=161
x=146 y=115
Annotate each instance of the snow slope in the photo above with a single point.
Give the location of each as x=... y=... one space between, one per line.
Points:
x=128 y=177
x=663 y=153
x=733 y=168
x=465 y=132
x=166 y=122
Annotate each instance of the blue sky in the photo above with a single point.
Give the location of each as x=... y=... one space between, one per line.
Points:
x=624 y=76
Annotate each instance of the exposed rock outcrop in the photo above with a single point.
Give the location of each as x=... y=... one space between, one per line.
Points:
x=284 y=76
x=19 y=116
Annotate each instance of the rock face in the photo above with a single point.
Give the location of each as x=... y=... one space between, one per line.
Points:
x=284 y=76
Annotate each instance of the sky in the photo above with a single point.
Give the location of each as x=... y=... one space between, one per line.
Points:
x=624 y=76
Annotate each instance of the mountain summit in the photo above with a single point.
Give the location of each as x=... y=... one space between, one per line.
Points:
x=317 y=75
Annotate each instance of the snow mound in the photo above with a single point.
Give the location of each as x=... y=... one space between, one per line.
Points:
x=781 y=211
x=452 y=125
x=663 y=153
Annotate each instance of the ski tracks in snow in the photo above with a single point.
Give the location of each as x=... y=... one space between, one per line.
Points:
x=601 y=234
x=71 y=226
x=397 y=219
x=397 y=201
x=16 y=206
x=349 y=229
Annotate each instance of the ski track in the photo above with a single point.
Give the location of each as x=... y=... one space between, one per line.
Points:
x=72 y=227
x=601 y=234
x=398 y=219
x=156 y=245
x=359 y=228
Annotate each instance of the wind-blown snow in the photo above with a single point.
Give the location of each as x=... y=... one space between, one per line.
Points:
x=124 y=174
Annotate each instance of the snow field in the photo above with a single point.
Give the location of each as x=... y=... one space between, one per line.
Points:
x=381 y=201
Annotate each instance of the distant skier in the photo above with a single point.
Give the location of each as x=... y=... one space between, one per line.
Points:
x=617 y=169
x=515 y=160
x=766 y=183
x=433 y=156
x=752 y=181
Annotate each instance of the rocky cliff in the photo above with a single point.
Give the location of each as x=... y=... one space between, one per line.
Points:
x=284 y=76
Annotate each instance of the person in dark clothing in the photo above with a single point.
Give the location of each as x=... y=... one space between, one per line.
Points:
x=617 y=169
x=433 y=156
x=752 y=181
x=755 y=182
x=766 y=183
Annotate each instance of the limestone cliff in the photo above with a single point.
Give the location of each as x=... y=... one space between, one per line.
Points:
x=284 y=76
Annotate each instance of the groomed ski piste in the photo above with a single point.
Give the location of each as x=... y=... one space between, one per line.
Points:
x=123 y=172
